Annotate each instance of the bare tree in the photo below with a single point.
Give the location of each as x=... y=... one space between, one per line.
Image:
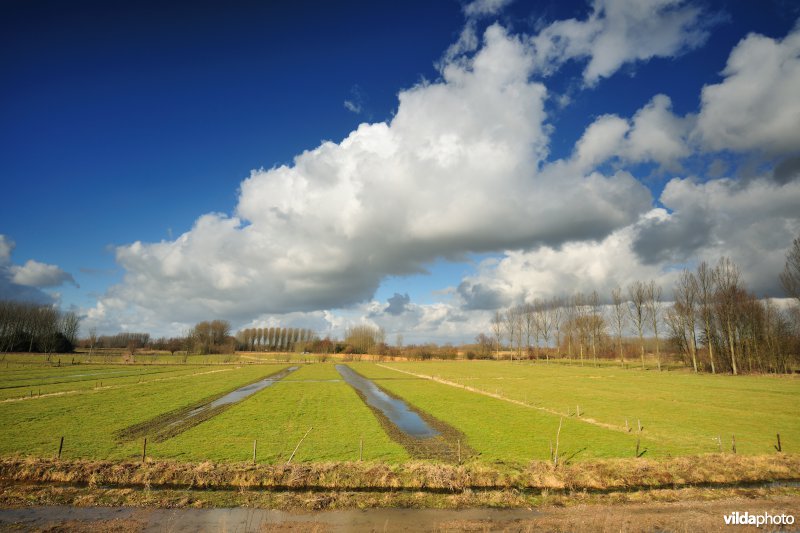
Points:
x=546 y=325
x=513 y=325
x=364 y=338
x=727 y=281
x=653 y=304
x=580 y=321
x=595 y=323
x=705 y=293
x=529 y=323
x=92 y=341
x=619 y=318
x=557 y=319
x=69 y=324
x=571 y=318
x=497 y=329
x=686 y=296
x=637 y=310
x=790 y=277
x=485 y=345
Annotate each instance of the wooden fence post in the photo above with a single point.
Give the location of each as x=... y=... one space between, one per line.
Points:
x=361 y=449
x=60 y=447
x=733 y=443
x=778 y=447
x=144 y=449
x=255 y=441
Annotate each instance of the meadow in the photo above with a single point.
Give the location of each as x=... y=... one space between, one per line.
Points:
x=88 y=418
x=313 y=401
x=493 y=412
x=682 y=413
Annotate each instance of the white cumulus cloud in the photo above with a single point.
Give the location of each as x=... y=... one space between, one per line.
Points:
x=756 y=106
x=752 y=223
x=463 y=167
x=617 y=32
x=6 y=247
x=460 y=168
x=485 y=7
x=653 y=134
x=36 y=274
x=24 y=282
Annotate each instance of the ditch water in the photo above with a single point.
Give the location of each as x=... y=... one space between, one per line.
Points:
x=240 y=394
x=395 y=410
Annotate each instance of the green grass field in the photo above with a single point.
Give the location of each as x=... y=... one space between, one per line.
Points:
x=500 y=431
x=279 y=416
x=117 y=356
x=682 y=413
x=28 y=382
x=89 y=420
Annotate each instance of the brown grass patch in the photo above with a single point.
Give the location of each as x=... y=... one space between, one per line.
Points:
x=715 y=470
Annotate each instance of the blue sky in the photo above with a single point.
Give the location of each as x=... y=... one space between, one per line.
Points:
x=126 y=122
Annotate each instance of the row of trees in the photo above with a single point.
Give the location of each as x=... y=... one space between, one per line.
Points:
x=120 y=340
x=211 y=337
x=30 y=327
x=275 y=339
x=365 y=338
x=718 y=325
x=204 y=338
x=713 y=322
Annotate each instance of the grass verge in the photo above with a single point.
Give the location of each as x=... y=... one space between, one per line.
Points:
x=707 y=471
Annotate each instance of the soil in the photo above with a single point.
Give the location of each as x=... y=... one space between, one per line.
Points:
x=673 y=516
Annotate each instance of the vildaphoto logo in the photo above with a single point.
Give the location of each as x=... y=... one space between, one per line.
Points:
x=763 y=519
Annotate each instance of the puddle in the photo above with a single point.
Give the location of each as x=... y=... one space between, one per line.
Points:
x=170 y=424
x=240 y=394
x=395 y=410
x=246 y=519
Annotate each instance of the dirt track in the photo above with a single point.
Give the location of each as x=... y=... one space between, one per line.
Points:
x=679 y=517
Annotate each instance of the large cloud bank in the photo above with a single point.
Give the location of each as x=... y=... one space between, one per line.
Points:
x=463 y=168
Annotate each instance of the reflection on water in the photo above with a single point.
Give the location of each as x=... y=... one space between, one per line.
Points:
x=395 y=410
x=240 y=394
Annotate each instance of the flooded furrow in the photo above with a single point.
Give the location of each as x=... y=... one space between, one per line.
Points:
x=170 y=424
x=423 y=436
x=242 y=393
x=394 y=409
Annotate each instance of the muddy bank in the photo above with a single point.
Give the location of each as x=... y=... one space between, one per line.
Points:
x=169 y=424
x=660 y=516
x=422 y=435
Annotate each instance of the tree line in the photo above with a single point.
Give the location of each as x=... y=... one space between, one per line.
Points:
x=204 y=338
x=31 y=327
x=713 y=322
x=274 y=339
